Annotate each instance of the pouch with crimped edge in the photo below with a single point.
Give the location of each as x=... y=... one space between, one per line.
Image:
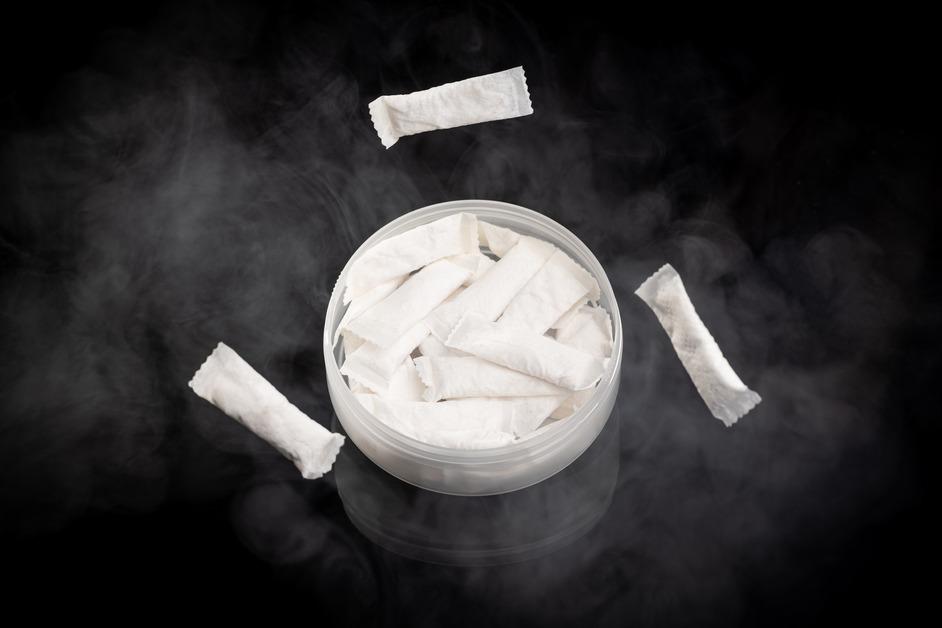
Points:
x=374 y=366
x=386 y=321
x=477 y=263
x=459 y=377
x=401 y=254
x=498 y=240
x=496 y=96
x=513 y=415
x=526 y=351
x=434 y=348
x=351 y=342
x=552 y=291
x=589 y=330
x=366 y=301
x=405 y=383
x=727 y=397
x=490 y=294
x=229 y=383
x=452 y=439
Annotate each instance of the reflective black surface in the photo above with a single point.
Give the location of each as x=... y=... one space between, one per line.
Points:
x=493 y=530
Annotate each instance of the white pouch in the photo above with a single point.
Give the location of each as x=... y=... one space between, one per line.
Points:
x=526 y=351
x=351 y=342
x=357 y=387
x=498 y=240
x=572 y=403
x=460 y=377
x=589 y=330
x=405 y=383
x=489 y=295
x=401 y=254
x=434 y=348
x=374 y=366
x=452 y=439
x=229 y=383
x=388 y=320
x=477 y=263
x=479 y=99
x=569 y=314
x=553 y=290
x=466 y=439
x=366 y=301
x=513 y=415
x=724 y=393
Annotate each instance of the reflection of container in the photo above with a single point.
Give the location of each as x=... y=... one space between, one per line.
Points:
x=487 y=530
x=483 y=471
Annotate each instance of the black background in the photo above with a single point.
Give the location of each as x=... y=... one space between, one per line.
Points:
x=176 y=175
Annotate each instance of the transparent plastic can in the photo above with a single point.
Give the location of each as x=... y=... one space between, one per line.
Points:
x=511 y=467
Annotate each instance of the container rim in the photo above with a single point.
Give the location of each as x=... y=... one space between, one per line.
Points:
x=540 y=441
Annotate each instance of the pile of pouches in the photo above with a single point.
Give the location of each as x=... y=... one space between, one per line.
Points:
x=481 y=337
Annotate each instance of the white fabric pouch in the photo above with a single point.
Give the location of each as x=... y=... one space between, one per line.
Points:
x=496 y=96
x=432 y=347
x=553 y=290
x=498 y=240
x=452 y=439
x=405 y=383
x=476 y=263
x=459 y=377
x=357 y=387
x=489 y=295
x=589 y=330
x=466 y=439
x=516 y=416
x=351 y=342
x=727 y=397
x=386 y=321
x=374 y=366
x=526 y=351
x=401 y=254
x=229 y=383
x=366 y=301
x=568 y=315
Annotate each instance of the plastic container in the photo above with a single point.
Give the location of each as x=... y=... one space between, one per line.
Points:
x=503 y=469
x=491 y=530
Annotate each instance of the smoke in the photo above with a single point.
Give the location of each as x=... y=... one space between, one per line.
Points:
x=206 y=177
